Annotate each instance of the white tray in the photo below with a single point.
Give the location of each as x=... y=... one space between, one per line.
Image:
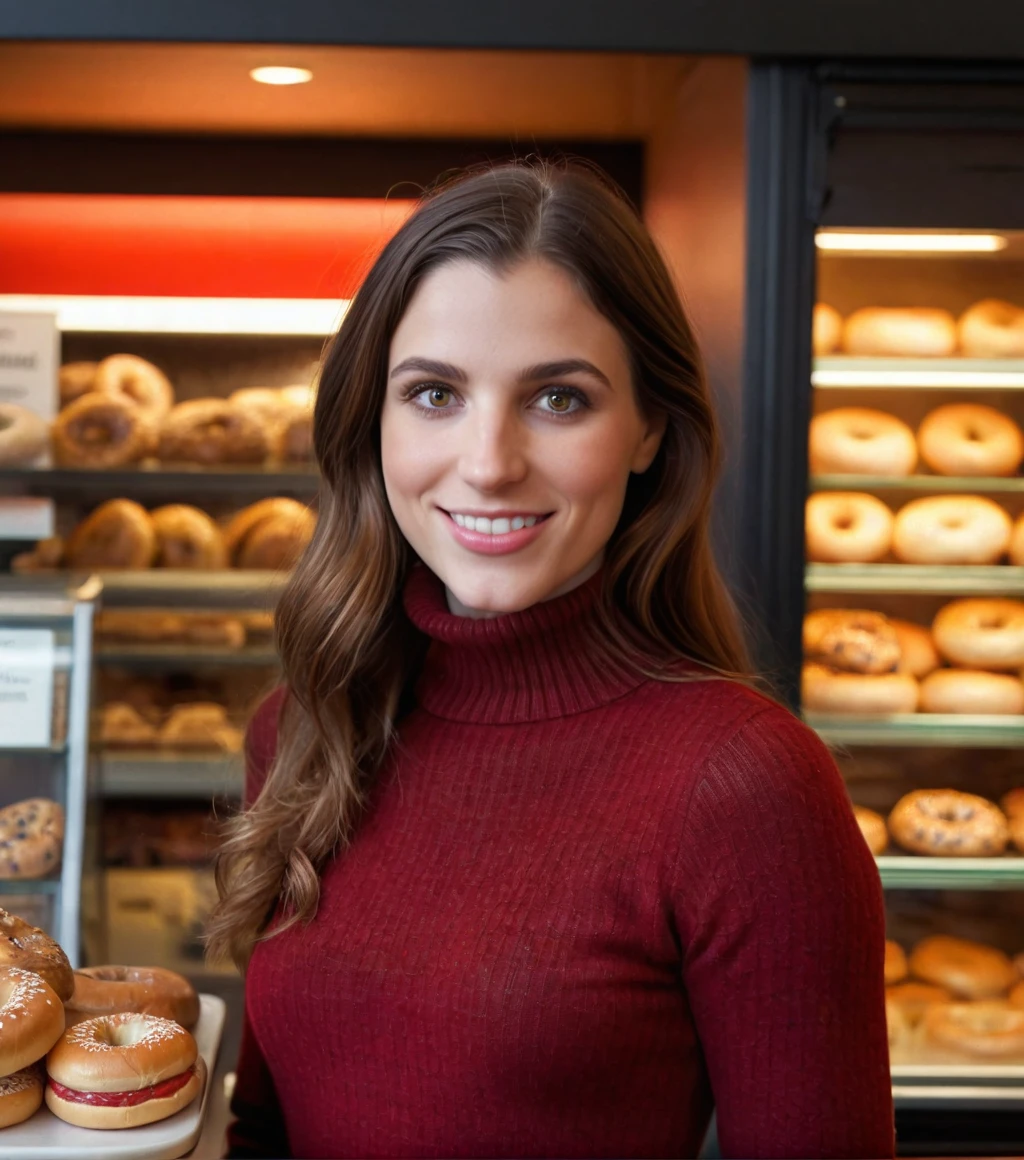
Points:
x=45 y=1137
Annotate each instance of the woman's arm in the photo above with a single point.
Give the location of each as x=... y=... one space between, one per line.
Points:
x=258 y=1129
x=782 y=927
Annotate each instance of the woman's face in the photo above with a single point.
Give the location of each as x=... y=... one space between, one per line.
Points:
x=508 y=433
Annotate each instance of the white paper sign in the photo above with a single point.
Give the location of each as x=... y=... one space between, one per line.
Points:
x=29 y=361
x=26 y=687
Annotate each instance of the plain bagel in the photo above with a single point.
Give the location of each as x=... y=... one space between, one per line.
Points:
x=981 y=633
x=971 y=691
x=992 y=329
x=861 y=441
x=823 y=690
x=970 y=439
x=912 y=331
x=847 y=527
x=951 y=529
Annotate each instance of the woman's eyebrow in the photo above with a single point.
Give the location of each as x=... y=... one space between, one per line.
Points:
x=565 y=366
x=429 y=366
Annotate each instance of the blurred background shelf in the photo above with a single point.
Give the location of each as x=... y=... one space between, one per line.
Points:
x=29 y=886
x=183 y=588
x=943 y=483
x=958 y=580
x=144 y=773
x=921 y=729
x=910 y=872
x=839 y=372
x=167 y=656
x=182 y=481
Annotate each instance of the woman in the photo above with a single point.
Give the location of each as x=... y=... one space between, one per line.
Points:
x=530 y=869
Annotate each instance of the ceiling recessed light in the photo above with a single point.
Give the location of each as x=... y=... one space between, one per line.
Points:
x=279 y=75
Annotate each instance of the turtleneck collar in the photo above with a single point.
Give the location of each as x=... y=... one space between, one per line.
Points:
x=545 y=662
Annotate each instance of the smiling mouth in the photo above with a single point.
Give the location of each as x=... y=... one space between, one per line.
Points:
x=496 y=526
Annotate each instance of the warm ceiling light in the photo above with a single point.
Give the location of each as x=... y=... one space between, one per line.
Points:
x=279 y=75
x=868 y=243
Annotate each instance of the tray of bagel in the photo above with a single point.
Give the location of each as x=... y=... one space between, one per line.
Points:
x=955 y=1012
x=106 y=1061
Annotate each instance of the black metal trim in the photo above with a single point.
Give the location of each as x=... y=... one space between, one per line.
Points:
x=783 y=196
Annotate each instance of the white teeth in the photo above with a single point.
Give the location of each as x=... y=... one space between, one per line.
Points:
x=495 y=527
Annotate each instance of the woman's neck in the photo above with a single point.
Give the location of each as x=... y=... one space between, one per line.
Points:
x=457 y=608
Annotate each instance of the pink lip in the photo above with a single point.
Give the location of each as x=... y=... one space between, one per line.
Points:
x=487 y=545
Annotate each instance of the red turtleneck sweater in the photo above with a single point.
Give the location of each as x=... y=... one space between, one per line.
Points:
x=583 y=908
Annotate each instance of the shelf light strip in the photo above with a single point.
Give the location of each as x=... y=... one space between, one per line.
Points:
x=865 y=243
x=886 y=378
x=141 y=315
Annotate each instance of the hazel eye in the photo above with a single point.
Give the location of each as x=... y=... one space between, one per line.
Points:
x=559 y=401
x=438 y=397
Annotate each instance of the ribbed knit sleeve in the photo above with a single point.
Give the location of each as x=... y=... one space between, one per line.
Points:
x=781 y=921
x=258 y=1129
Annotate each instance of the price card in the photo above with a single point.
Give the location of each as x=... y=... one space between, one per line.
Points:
x=26 y=687
x=29 y=361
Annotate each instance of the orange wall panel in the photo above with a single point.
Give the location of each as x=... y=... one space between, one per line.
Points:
x=214 y=247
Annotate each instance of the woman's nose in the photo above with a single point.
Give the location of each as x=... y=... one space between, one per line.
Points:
x=493 y=453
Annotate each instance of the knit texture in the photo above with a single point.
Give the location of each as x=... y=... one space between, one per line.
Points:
x=583 y=907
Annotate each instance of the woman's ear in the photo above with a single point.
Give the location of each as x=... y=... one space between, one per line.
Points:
x=648 y=446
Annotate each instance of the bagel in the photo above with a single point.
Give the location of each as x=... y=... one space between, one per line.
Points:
x=950 y=529
x=852 y=640
x=31 y=1018
x=968 y=969
x=111 y=990
x=268 y=404
x=918 y=654
x=139 y=382
x=983 y=1030
x=860 y=441
x=74 y=380
x=914 y=999
x=992 y=329
x=293 y=440
x=123 y=727
x=895 y=963
x=872 y=826
x=971 y=691
x=212 y=431
x=981 y=633
x=21 y=1094
x=847 y=527
x=912 y=331
x=823 y=690
x=102 y=431
x=31 y=838
x=30 y=949
x=24 y=436
x=1013 y=806
x=948 y=824
x=187 y=538
x=269 y=534
x=118 y=534
x=827 y=329
x=201 y=725
x=970 y=439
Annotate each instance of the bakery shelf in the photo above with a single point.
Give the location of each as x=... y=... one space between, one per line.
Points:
x=145 y=773
x=839 y=372
x=164 y=656
x=11 y=886
x=958 y=485
x=950 y=580
x=179 y=481
x=182 y=588
x=910 y=872
x=967 y=731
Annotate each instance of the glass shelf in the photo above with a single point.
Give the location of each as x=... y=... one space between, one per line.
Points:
x=186 y=588
x=910 y=872
x=966 y=731
x=145 y=773
x=843 y=371
x=970 y=485
x=162 y=656
x=29 y=886
x=947 y=579
x=179 y=479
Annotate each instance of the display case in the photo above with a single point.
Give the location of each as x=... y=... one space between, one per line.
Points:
x=45 y=677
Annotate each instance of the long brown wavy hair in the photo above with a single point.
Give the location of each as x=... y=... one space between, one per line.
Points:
x=347 y=649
